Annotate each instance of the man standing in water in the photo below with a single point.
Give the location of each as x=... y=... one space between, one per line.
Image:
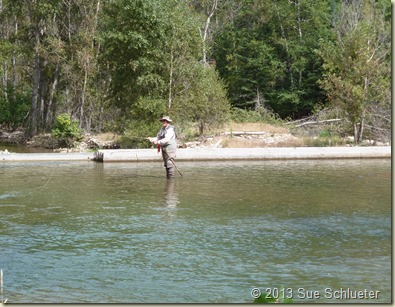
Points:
x=166 y=139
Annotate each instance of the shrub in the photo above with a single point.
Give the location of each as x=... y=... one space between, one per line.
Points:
x=66 y=130
x=14 y=109
x=245 y=116
x=260 y=115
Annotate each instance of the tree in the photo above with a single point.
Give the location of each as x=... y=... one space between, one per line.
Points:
x=264 y=54
x=134 y=37
x=203 y=100
x=153 y=50
x=357 y=64
x=47 y=48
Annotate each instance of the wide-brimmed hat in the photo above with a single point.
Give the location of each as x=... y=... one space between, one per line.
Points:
x=165 y=118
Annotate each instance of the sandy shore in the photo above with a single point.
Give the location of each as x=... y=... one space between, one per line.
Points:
x=209 y=154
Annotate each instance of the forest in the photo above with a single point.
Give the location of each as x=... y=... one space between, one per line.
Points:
x=119 y=65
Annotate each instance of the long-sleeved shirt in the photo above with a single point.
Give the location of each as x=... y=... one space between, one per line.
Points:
x=166 y=138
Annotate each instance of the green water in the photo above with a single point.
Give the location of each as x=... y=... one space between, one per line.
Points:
x=22 y=148
x=83 y=232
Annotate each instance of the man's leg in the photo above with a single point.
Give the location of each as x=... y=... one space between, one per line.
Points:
x=170 y=172
x=168 y=165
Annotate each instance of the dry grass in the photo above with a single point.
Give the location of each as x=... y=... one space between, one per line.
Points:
x=256 y=127
x=240 y=143
x=277 y=136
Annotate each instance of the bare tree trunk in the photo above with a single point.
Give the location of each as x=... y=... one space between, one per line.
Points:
x=36 y=84
x=86 y=118
x=81 y=108
x=69 y=21
x=4 y=75
x=34 y=116
x=51 y=95
x=361 y=127
x=206 y=28
x=289 y=64
x=4 y=80
x=14 y=72
x=170 y=81
x=300 y=35
x=201 y=129
x=42 y=101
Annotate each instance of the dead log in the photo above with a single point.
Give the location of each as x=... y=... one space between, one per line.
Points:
x=319 y=122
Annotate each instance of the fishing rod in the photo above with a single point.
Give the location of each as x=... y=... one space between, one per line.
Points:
x=172 y=161
x=138 y=138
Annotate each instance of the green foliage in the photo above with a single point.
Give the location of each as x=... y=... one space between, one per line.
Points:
x=14 y=108
x=265 y=51
x=261 y=114
x=134 y=38
x=105 y=59
x=357 y=70
x=205 y=100
x=143 y=122
x=266 y=298
x=326 y=137
x=66 y=130
x=245 y=116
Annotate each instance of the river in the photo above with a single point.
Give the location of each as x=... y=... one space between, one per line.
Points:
x=86 y=232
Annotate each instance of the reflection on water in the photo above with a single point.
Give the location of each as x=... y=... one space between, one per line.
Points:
x=171 y=194
x=121 y=233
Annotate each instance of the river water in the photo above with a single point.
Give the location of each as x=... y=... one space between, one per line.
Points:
x=85 y=232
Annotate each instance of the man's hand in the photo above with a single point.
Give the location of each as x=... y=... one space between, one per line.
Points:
x=153 y=140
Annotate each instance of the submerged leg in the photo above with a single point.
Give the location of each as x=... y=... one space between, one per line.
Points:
x=170 y=172
x=168 y=165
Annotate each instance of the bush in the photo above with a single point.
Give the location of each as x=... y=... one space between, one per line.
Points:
x=245 y=116
x=66 y=130
x=260 y=115
x=13 y=111
x=324 y=141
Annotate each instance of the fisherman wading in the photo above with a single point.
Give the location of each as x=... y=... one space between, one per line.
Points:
x=166 y=140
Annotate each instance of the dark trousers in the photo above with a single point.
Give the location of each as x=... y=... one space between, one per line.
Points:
x=168 y=164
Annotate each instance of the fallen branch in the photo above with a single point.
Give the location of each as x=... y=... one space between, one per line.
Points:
x=319 y=122
x=299 y=120
x=237 y=133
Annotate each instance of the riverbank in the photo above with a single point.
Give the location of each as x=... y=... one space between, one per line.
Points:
x=208 y=154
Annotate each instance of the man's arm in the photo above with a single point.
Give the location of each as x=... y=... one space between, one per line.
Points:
x=168 y=136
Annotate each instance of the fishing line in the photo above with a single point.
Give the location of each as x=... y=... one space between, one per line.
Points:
x=50 y=177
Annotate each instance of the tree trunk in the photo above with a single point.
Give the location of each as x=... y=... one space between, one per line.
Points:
x=14 y=72
x=201 y=129
x=355 y=133
x=36 y=84
x=51 y=95
x=300 y=36
x=361 y=126
x=205 y=33
x=34 y=116
x=289 y=64
x=170 y=81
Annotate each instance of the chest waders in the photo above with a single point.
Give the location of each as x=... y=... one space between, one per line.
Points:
x=168 y=151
